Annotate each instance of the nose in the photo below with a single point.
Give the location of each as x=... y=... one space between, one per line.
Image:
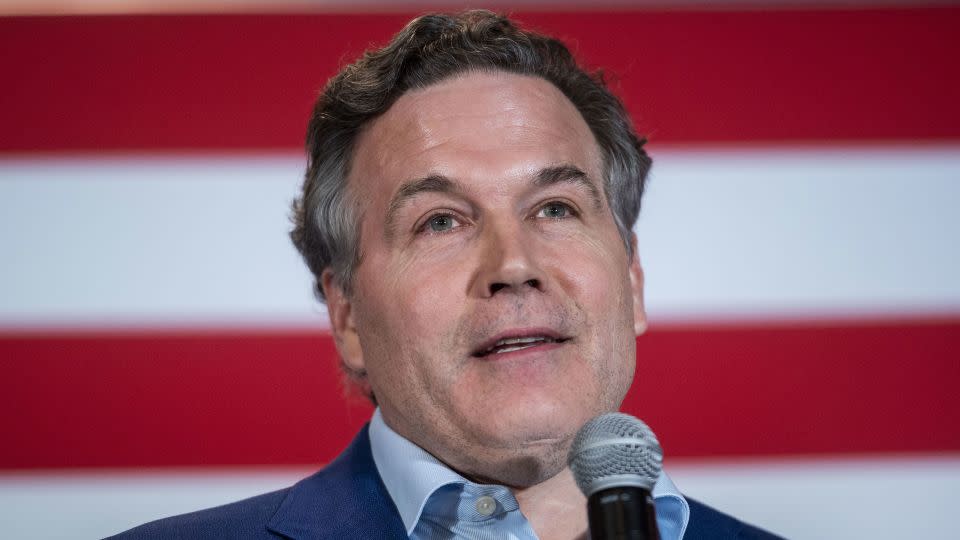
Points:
x=508 y=263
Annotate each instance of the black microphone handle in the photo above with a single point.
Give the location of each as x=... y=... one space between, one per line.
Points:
x=622 y=513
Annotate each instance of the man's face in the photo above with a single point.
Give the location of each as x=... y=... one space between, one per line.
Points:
x=494 y=307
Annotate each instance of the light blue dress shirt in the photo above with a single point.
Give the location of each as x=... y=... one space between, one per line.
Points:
x=436 y=502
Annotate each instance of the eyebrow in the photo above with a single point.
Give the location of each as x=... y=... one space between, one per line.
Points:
x=568 y=174
x=435 y=183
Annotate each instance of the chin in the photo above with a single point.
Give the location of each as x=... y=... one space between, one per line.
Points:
x=525 y=425
x=522 y=465
x=530 y=470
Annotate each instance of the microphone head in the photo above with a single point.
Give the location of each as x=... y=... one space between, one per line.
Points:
x=615 y=450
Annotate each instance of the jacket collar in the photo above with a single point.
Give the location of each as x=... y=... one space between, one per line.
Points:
x=346 y=499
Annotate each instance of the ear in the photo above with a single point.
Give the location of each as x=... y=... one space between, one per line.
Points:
x=636 y=285
x=340 y=308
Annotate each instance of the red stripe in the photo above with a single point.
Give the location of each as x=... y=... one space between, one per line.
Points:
x=275 y=398
x=247 y=81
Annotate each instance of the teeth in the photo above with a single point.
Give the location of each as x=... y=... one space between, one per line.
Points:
x=509 y=349
x=515 y=344
x=513 y=341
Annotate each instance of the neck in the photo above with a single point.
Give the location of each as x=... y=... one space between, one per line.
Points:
x=555 y=508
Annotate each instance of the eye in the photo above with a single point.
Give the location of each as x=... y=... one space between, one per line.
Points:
x=555 y=210
x=439 y=223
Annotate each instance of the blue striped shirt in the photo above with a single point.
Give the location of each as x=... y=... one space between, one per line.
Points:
x=437 y=502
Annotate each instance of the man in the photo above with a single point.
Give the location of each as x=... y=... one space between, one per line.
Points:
x=467 y=213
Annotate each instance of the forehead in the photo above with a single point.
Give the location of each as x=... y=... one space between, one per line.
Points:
x=476 y=126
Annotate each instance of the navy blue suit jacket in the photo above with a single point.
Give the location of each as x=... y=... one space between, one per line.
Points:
x=347 y=500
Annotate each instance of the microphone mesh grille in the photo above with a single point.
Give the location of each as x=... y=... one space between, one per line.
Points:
x=615 y=449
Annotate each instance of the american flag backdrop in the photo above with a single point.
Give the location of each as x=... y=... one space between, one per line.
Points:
x=160 y=350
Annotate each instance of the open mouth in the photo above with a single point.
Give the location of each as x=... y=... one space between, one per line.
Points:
x=511 y=344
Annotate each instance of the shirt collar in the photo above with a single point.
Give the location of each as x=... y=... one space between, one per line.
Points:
x=409 y=472
x=673 y=511
x=411 y=475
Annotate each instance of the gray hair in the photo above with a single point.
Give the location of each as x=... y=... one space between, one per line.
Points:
x=428 y=50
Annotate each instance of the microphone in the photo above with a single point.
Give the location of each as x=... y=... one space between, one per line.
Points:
x=616 y=460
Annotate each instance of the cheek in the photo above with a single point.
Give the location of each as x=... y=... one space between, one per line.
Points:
x=407 y=319
x=596 y=275
x=598 y=281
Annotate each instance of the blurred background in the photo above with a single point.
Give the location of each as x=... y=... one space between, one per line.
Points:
x=160 y=349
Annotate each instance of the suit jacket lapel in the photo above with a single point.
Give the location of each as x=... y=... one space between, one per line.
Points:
x=347 y=499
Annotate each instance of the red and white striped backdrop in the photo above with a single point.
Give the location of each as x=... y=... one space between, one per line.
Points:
x=160 y=350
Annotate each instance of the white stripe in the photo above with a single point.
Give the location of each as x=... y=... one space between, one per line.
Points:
x=875 y=498
x=871 y=498
x=151 y=242
x=802 y=232
x=95 y=504
x=741 y=233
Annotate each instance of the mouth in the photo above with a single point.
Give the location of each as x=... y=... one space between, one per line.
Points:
x=517 y=342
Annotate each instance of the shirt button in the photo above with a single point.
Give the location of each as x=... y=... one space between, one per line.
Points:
x=486 y=505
